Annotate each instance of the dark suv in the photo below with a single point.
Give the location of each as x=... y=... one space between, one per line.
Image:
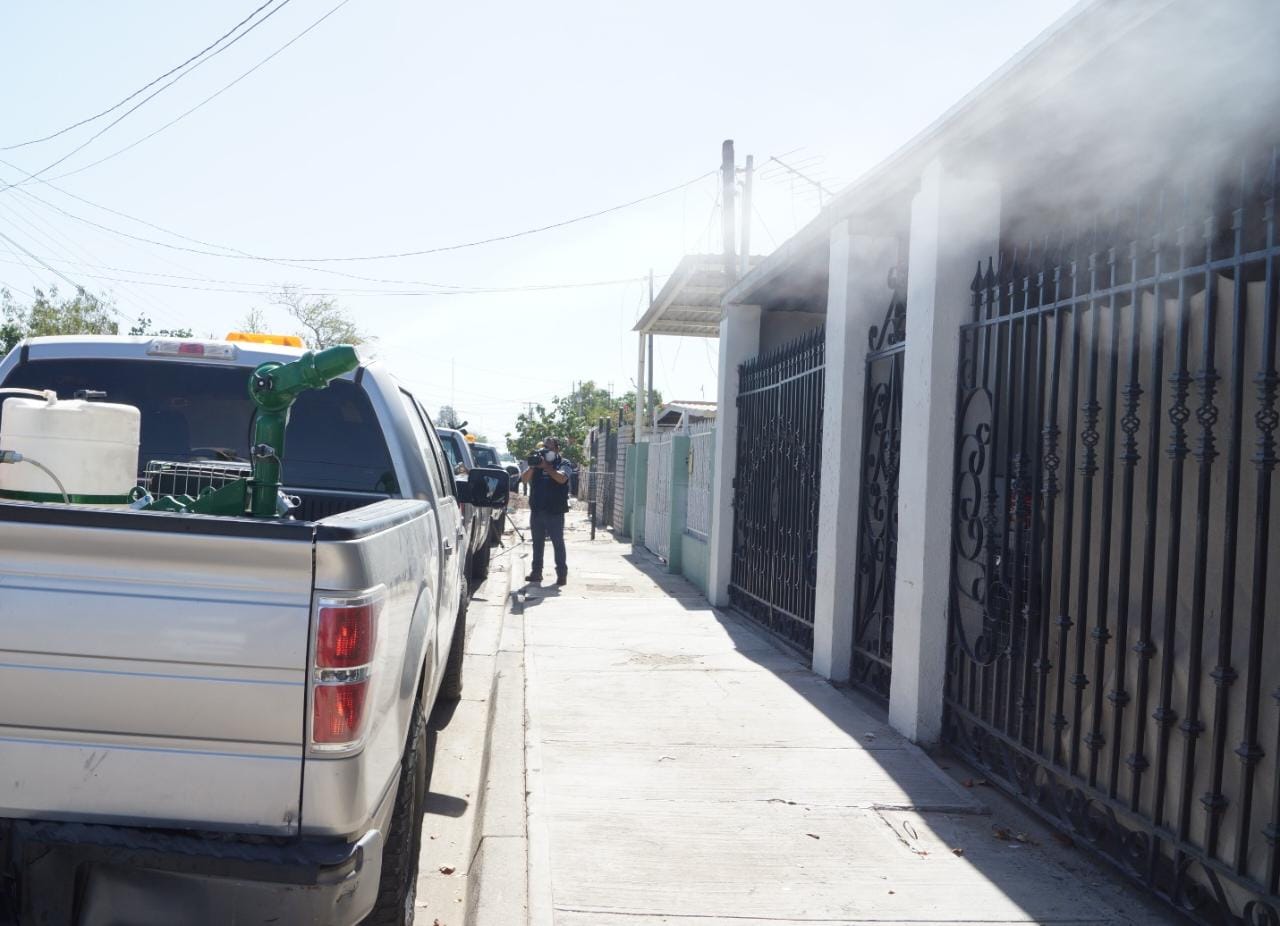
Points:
x=458 y=450
x=487 y=455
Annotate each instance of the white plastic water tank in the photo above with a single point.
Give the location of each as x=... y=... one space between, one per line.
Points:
x=92 y=447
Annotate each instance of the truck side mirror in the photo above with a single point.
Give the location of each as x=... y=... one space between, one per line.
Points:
x=488 y=487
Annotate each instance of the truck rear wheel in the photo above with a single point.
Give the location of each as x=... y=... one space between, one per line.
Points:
x=398 y=885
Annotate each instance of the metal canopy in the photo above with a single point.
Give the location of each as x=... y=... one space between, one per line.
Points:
x=689 y=302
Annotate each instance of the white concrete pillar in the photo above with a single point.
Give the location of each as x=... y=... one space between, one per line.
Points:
x=955 y=222
x=739 y=341
x=857 y=298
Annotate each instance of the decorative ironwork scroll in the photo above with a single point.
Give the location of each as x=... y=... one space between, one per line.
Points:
x=1114 y=639
x=872 y=657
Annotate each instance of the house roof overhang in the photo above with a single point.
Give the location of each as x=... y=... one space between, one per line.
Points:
x=689 y=303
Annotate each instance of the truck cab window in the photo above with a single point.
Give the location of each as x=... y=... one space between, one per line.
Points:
x=424 y=444
x=198 y=412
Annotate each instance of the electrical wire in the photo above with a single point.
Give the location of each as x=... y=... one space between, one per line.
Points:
x=200 y=54
x=94 y=137
x=265 y=289
x=208 y=253
x=507 y=237
x=10 y=288
x=209 y=99
x=47 y=231
x=301 y=262
x=58 y=273
x=419 y=287
x=764 y=225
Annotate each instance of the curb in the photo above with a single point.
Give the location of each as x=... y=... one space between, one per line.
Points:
x=497 y=883
x=459 y=838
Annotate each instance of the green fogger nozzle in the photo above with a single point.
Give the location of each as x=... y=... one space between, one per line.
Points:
x=275 y=386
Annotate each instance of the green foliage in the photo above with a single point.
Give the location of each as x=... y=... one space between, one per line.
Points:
x=83 y=313
x=570 y=418
x=143 y=329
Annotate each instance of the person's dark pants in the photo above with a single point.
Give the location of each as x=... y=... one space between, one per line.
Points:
x=547 y=525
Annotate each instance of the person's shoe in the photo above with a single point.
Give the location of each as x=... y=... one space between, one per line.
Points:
x=533 y=577
x=562 y=579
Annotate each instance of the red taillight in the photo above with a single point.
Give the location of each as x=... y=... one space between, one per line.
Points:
x=344 y=637
x=346 y=631
x=338 y=712
x=193 y=348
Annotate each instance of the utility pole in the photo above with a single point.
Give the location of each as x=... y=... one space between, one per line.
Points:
x=652 y=405
x=728 y=225
x=642 y=398
x=745 y=263
x=453 y=399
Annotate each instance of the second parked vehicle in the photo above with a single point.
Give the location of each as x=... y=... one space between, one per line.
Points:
x=458 y=450
x=487 y=455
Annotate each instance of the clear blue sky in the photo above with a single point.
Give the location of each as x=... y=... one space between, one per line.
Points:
x=398 y=125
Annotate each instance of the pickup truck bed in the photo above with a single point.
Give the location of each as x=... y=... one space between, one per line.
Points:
x=154 y=672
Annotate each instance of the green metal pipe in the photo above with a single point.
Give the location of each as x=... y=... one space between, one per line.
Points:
x=274 y=387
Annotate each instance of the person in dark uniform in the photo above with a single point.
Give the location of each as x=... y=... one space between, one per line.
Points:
x=548 y=480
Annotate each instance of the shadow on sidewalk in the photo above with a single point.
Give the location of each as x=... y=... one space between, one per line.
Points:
x=945 y=815
x=530 y=595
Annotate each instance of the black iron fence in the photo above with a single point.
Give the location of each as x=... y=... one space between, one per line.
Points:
x=593 y=480
x=775 y=488
x=608 y=488
x=872 y=658
x=1115 y=647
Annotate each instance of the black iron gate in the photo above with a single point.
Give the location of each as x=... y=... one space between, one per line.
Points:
x=775 y=488
x=1115 y=650
x=878 y=497
x=593 y=481
x=609 y=482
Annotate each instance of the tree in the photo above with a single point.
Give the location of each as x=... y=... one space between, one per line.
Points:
x=254 y=321
x=535 y=424
x=83 y=313
x=448 y=418
x=569 y=418
x=324 y=322
x=142 y=328
x=628 y=404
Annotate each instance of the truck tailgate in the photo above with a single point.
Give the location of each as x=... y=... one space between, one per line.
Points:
x=151 y=673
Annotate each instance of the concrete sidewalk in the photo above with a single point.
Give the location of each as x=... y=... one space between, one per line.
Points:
x=681 y=768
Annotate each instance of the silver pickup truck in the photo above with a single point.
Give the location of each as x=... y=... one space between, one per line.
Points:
x=216 y=720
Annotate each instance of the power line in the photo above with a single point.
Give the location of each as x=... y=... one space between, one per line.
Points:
x=764 y=225
x=209 y=99
x=237 y=254
x=92 y=138
x=38 y=226
x=267 y=289
x=165 y=244
x=200 y=54
x=10 y=288
x=508 y=237
x=58 y=273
